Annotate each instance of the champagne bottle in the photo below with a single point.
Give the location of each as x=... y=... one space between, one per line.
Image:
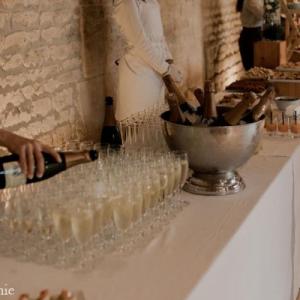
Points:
x=198 y=93
x=209 y=106
x=236 y=114
x=176 y=115
x=260 y=109
x=188 y=111
x=110 y=133
x=11 y=174
x=199 y=96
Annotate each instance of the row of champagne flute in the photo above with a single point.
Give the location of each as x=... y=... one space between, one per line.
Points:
x=91 y=206
x=144 y=129
x=139 y=130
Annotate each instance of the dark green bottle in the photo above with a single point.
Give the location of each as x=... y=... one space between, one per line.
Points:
x=110 y=135
x=11 y=174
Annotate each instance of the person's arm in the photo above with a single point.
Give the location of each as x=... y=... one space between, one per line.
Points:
x=132 y=27
x=29 y=152
x=256 y=7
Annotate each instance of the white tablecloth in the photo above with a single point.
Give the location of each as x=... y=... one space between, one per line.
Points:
x=238 y=247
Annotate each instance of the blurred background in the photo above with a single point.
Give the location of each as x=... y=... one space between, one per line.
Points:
x=57 y=59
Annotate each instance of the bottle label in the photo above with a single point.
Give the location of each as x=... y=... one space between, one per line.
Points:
x=13 y=174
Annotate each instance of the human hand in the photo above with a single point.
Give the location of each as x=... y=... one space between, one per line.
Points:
x=31 y=159
x=64 y=295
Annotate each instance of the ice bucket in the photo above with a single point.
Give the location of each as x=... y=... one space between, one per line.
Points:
x=214 y=153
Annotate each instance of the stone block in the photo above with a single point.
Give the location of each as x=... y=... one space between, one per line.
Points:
x=27 y=19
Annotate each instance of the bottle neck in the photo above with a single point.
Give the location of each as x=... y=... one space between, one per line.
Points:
x=109 y=119
x=173 y=89
x=209 y=109
x=72 y=159
x=199 y=96
x=236 y=114
x=209 y=106
x=263 y=105
x=175 y=112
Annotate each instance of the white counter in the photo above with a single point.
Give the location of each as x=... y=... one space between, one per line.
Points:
x=238 y=247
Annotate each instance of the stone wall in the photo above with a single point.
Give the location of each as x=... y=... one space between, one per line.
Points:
x=43 y=89
x=57 y=59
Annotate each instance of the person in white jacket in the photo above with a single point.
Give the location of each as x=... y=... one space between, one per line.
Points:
x=252 y=17
x=146 y=60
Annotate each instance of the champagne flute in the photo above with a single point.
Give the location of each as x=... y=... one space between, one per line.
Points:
x=178 y=171
x=163 y=175
x=155 y=187
x=122 y=210
x=184 y=166
x=147 y=193
x=62 y=225
x=183 y=158
x=137 y=199
x=82 y=222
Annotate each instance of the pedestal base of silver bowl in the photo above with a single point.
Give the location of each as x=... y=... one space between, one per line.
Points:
x=218 y=184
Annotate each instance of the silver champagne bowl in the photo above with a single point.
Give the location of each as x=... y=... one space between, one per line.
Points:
x=214 y=153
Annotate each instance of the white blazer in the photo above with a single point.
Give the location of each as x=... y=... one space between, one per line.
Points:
x=140 y=82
